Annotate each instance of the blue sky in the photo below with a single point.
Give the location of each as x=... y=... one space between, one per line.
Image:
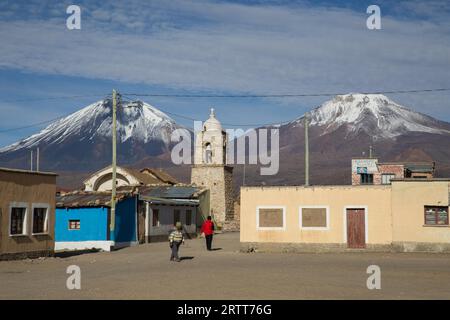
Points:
x=218 y=47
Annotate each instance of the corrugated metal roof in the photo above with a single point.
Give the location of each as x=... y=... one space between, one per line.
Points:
x=174 y=202
x=420 y=167
x=88 y=199
x=169 y=192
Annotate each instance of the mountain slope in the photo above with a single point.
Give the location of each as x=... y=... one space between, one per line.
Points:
x=82 y=140
x=345 y=127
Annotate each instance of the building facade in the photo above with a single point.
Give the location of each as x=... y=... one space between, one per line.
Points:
x=102 y=179
x=83 y=221
x=407 y=215
x=369 y=171
x=27 y=213
x=210 y=169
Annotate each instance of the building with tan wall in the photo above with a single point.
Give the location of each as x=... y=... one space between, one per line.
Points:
x=27 y=213
x=322 y=218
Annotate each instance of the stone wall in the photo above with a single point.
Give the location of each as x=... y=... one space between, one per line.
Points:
x=219 y=180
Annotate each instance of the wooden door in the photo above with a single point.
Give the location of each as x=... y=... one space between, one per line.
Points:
x=356 y=234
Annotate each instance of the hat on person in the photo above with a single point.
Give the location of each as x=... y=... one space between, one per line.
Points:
x=178 y=225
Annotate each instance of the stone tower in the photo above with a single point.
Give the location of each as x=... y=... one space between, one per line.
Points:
x=210 y=169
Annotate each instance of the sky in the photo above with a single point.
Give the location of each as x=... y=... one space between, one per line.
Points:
x=217 y=47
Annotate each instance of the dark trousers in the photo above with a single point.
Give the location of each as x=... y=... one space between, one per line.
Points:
x=175 y=247
x=208 y=238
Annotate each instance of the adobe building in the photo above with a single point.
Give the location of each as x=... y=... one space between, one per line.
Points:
x=27 y=213
x=407 y=215
x=370 y=171
x=102 y=179
x=210 y=169
x=149 y=203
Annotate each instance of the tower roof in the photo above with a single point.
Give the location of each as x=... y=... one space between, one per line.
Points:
x=212 y=123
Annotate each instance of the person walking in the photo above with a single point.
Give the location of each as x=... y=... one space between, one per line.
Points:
x=176 y=238
x=208 y=230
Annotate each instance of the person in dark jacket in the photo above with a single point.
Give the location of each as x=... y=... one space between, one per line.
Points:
x=208 y=230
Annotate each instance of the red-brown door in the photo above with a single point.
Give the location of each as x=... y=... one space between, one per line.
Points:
x=356 y=235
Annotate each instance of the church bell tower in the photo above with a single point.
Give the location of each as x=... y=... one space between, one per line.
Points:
x=210 y=169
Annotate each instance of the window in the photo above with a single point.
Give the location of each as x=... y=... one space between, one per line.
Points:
x=366 y=178
x=270 y=218
x=314 y=217
x=155 y=220
x=18 y=220
x=176 y=216
x=188 y=217
x=386 y=178
x=208 y=153
x=40 y=220
x=74 y=224
x=435 y=216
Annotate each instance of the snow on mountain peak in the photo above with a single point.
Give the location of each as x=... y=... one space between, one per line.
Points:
x=375 y=114
x=136 y=120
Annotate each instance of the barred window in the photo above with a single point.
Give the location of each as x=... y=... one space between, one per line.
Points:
x=188 y=217
x=18 y=215
x=40 y=220
x=176 y=216
x=155 y=220
x=435 y=216
x=74 y=225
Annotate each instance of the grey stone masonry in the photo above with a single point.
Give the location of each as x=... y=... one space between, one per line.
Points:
x=219 y=180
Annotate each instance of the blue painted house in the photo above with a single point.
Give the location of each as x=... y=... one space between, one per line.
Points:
x=83 y=221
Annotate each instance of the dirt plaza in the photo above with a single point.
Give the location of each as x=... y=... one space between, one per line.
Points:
x=145 y=272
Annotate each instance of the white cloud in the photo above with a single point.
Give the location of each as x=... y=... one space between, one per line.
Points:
x=237 y=48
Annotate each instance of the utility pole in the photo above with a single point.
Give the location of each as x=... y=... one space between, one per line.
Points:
x=37 y=159
x=114 y=164
x=243 y=178
x=370 y=152
x=31 y=162
x=306 y=149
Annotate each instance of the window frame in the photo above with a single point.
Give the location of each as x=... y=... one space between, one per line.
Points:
x=368 y=175
x=158 y=223
x=283 y=228
x=79 y=225
x=447 y=224
x=391 y=175
x=25 y=218
x=174 y=215
x=190 y=217
x=46 y=219
x=327 y=217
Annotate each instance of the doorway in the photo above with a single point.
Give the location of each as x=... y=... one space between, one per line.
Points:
x=356 y=228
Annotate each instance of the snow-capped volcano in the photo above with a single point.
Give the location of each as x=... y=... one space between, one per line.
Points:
x=136 y=121
x=374 y=114
x=82 y=140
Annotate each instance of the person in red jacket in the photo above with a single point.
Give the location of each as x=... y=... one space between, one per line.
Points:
x=208 y=230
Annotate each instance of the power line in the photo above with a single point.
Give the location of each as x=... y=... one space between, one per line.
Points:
x=128 y=95
x=224 y=123
x=50 y=120
x=288 y=95
x=34 y=124
x=54 y=98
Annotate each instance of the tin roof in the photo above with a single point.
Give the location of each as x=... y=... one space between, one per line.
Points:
x=87 y=199
x=419 y=166
x=170 y=192
x=28 y=171
x=174 y=202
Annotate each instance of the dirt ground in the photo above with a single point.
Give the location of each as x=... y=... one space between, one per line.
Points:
x=145 y=272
